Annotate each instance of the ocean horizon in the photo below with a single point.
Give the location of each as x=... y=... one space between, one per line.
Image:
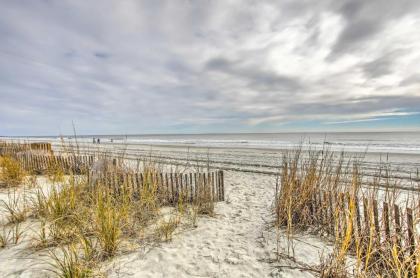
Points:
x=407 y=142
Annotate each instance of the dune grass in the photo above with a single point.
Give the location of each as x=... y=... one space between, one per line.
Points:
x=81 y=224
x=11 y=172
x=300 y=206
x=101 y=223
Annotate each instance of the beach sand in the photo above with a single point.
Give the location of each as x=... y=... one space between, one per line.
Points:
x=239 y=241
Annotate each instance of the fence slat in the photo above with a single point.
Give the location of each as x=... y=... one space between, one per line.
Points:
x=385 y=221
x=410 y=232
x=397 y=226
x=191 y=188
x=376 y=221
x=366 y=216
x=168 y=193
x=222 y=185
x=196 y=184
x=358 y=220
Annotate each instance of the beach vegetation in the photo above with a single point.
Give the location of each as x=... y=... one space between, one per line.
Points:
x=82 y=222
x=14 y=208
x=325 y=194
x=67 y=263
x=11 y=172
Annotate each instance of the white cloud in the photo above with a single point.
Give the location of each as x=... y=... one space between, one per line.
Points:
x=146 y=66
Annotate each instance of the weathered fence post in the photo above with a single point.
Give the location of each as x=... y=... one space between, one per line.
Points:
x=222 y=183
x=385 y=221
x=376 y=222
x=191 y=188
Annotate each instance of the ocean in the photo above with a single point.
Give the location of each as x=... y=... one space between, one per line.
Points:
x=401 y=149
x=370 y=142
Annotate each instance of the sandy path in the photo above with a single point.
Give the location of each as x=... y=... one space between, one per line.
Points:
x=229 y=245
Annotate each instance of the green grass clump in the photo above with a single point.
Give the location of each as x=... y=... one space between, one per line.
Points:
x=11 y=172
x=108 y=221
x=68 y=264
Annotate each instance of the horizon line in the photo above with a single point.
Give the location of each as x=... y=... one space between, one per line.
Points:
x=209 y=133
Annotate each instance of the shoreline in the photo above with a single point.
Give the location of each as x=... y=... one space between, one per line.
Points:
x=361 y=149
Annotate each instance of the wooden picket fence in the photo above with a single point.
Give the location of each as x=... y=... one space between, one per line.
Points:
x=7 y=148
x=170 y=186
x=40 y=163
x=388 y=224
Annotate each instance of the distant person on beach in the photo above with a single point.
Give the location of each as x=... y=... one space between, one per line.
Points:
x=99 y=141
x=94 y=141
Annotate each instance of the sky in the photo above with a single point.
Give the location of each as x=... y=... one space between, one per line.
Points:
x=135 y=67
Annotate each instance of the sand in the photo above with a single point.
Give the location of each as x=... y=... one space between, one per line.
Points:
x=238 y=242
x=21 y=260
x=230 y=244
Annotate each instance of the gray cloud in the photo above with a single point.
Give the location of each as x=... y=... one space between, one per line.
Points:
x=411 y=80
x=378 y=67
x=364 y=20
x=202 y=66
x=382 y=65
x=259 y=79
x=349 y=110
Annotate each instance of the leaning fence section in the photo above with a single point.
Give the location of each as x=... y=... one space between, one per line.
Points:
x=38 y=158
x=381 y=226
x=41 y=163
x=171 y=187
x=8 y=148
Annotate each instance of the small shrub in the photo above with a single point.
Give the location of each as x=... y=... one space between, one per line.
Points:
x=146 y=208
x=11 y=172
x=332 y=268
x=166 y=228
x=41 y=239
x=55 y=173
x=68 y=264
x=108 y=224
x=204 y=205
x=4 y=238
x=63 y=211
x=15 y=212
x=16 y=233
x=31 y=181
x=89 y=247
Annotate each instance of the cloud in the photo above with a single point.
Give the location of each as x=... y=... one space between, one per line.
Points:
x=381 y=66
x=365 y=20
x=259 y=79
x=411 y=80
x=101 y=55
x=346 y=111
x=204 y=66
x=381 y=116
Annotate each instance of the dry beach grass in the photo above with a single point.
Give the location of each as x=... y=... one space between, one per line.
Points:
x=80 y=225
x=80 y=229
x=363 y=247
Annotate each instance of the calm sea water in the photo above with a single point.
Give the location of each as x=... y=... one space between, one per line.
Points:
x=402 y=149
x=382 y=142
